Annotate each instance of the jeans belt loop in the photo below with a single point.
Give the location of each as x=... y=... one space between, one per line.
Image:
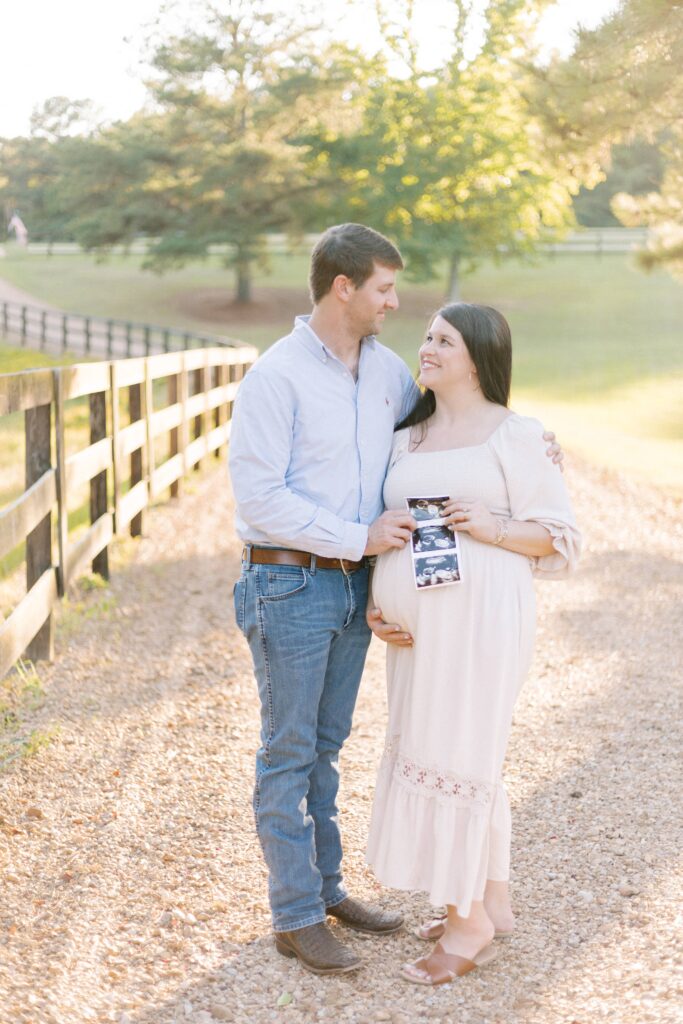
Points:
x=246 y=555
x=313 y=564
x=343 y=567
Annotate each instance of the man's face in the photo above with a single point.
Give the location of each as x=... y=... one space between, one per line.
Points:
x=368 y=305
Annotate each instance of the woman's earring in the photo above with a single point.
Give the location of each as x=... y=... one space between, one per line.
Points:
x=470 y=378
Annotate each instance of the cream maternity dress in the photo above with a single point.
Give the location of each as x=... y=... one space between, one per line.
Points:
x=441 y=819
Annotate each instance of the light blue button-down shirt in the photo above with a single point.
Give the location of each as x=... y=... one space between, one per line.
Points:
x=309 y=445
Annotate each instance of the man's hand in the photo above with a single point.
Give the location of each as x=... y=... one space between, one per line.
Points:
x=390 y=632
x=554 y=450
x=391 y=530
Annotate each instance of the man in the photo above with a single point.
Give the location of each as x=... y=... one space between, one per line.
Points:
x=311 y=436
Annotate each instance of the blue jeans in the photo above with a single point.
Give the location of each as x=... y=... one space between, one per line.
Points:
x=308 y=638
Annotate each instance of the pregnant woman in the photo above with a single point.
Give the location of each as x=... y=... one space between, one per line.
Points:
x=441 y=819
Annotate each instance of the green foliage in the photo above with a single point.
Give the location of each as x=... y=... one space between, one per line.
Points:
x=635 y=168
x=454 y=163
x=219 y=162
x=632 y=62
x=31 y=172
x=259 y=124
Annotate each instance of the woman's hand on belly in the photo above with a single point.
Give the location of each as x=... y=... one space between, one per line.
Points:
x=390 y=632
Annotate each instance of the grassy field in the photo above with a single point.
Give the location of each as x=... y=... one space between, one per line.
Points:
x=598 y=346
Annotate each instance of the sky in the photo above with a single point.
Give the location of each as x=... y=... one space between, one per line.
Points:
x=88 y=50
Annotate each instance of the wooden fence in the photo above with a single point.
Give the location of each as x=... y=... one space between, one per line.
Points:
x=53 y=331
x=121 y=464
x=589 y=240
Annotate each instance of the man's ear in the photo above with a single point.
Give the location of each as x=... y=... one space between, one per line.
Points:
x=343 y=287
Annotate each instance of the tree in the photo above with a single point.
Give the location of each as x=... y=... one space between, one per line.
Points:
x=29 y=174
x=455 y=163
x=60 y=116
x=35 y=172
x=636 y=168
x=624 y=80
x=233 y=99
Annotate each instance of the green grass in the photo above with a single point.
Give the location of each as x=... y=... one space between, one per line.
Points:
x=21 y=692
x=597 y=343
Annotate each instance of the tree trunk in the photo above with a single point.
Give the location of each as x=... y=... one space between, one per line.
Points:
x=454 y=279
x=243 y=271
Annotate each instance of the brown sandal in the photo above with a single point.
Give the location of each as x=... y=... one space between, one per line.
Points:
x=443 y=967
x=434 y=929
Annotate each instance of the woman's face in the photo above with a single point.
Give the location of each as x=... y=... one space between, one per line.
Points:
x=444 y=359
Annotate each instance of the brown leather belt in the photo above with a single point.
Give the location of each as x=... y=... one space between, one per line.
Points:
x=285 y=556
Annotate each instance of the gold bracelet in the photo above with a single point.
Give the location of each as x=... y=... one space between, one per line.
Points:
x=502 y=530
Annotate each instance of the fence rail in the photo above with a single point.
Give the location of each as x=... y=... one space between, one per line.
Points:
x=591 y=240
x=121 y=465
x=600 y=240
x=99 y=337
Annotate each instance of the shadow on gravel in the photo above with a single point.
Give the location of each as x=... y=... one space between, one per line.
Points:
x=177 y=615
x=591 y=844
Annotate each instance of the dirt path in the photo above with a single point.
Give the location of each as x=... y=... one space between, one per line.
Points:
x=132 y=888
x=10 y=293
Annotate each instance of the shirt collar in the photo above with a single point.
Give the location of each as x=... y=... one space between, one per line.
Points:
x=312 y=342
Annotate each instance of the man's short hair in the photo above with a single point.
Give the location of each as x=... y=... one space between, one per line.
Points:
x=351 y=250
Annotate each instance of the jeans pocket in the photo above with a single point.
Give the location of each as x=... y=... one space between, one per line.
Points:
x=282 y=583
x=239 y=598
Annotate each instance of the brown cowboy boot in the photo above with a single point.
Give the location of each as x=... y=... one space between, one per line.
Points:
x=364 y=917
x=317 y=949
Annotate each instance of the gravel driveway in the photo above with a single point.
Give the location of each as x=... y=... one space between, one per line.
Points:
x=131 y=885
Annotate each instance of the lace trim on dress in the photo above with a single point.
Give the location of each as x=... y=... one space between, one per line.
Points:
x=432 y=781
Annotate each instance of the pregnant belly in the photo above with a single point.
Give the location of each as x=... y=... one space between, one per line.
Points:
x=393 y=588
x=492 y=580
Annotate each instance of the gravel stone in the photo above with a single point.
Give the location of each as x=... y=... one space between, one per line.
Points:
x=140 y=896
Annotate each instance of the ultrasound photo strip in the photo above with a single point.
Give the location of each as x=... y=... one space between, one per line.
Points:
x=435 y=549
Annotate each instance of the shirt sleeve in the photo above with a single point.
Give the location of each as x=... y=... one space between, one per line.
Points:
x=538 y=493
x=260 y=452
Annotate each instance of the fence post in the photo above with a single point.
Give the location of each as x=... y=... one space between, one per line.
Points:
x=65 y=333
x=197 y=387
x=136 y=457
x=149 y=411
x=148 y=345
x=221 y=418
x=5 y=319
x=39 y=540
x=43 y=329
x=98 y=484
x=129 y=339
x=23 y=325
x=174 y=389
x=110 y=338
x=184 y=425
x=87 y=334
x=115 y=427
x=62 y=511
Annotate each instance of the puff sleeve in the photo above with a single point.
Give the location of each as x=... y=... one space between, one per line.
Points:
x=399 y=446
x=537 y=493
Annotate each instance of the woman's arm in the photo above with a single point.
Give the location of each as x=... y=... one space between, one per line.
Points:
x=473 y=517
